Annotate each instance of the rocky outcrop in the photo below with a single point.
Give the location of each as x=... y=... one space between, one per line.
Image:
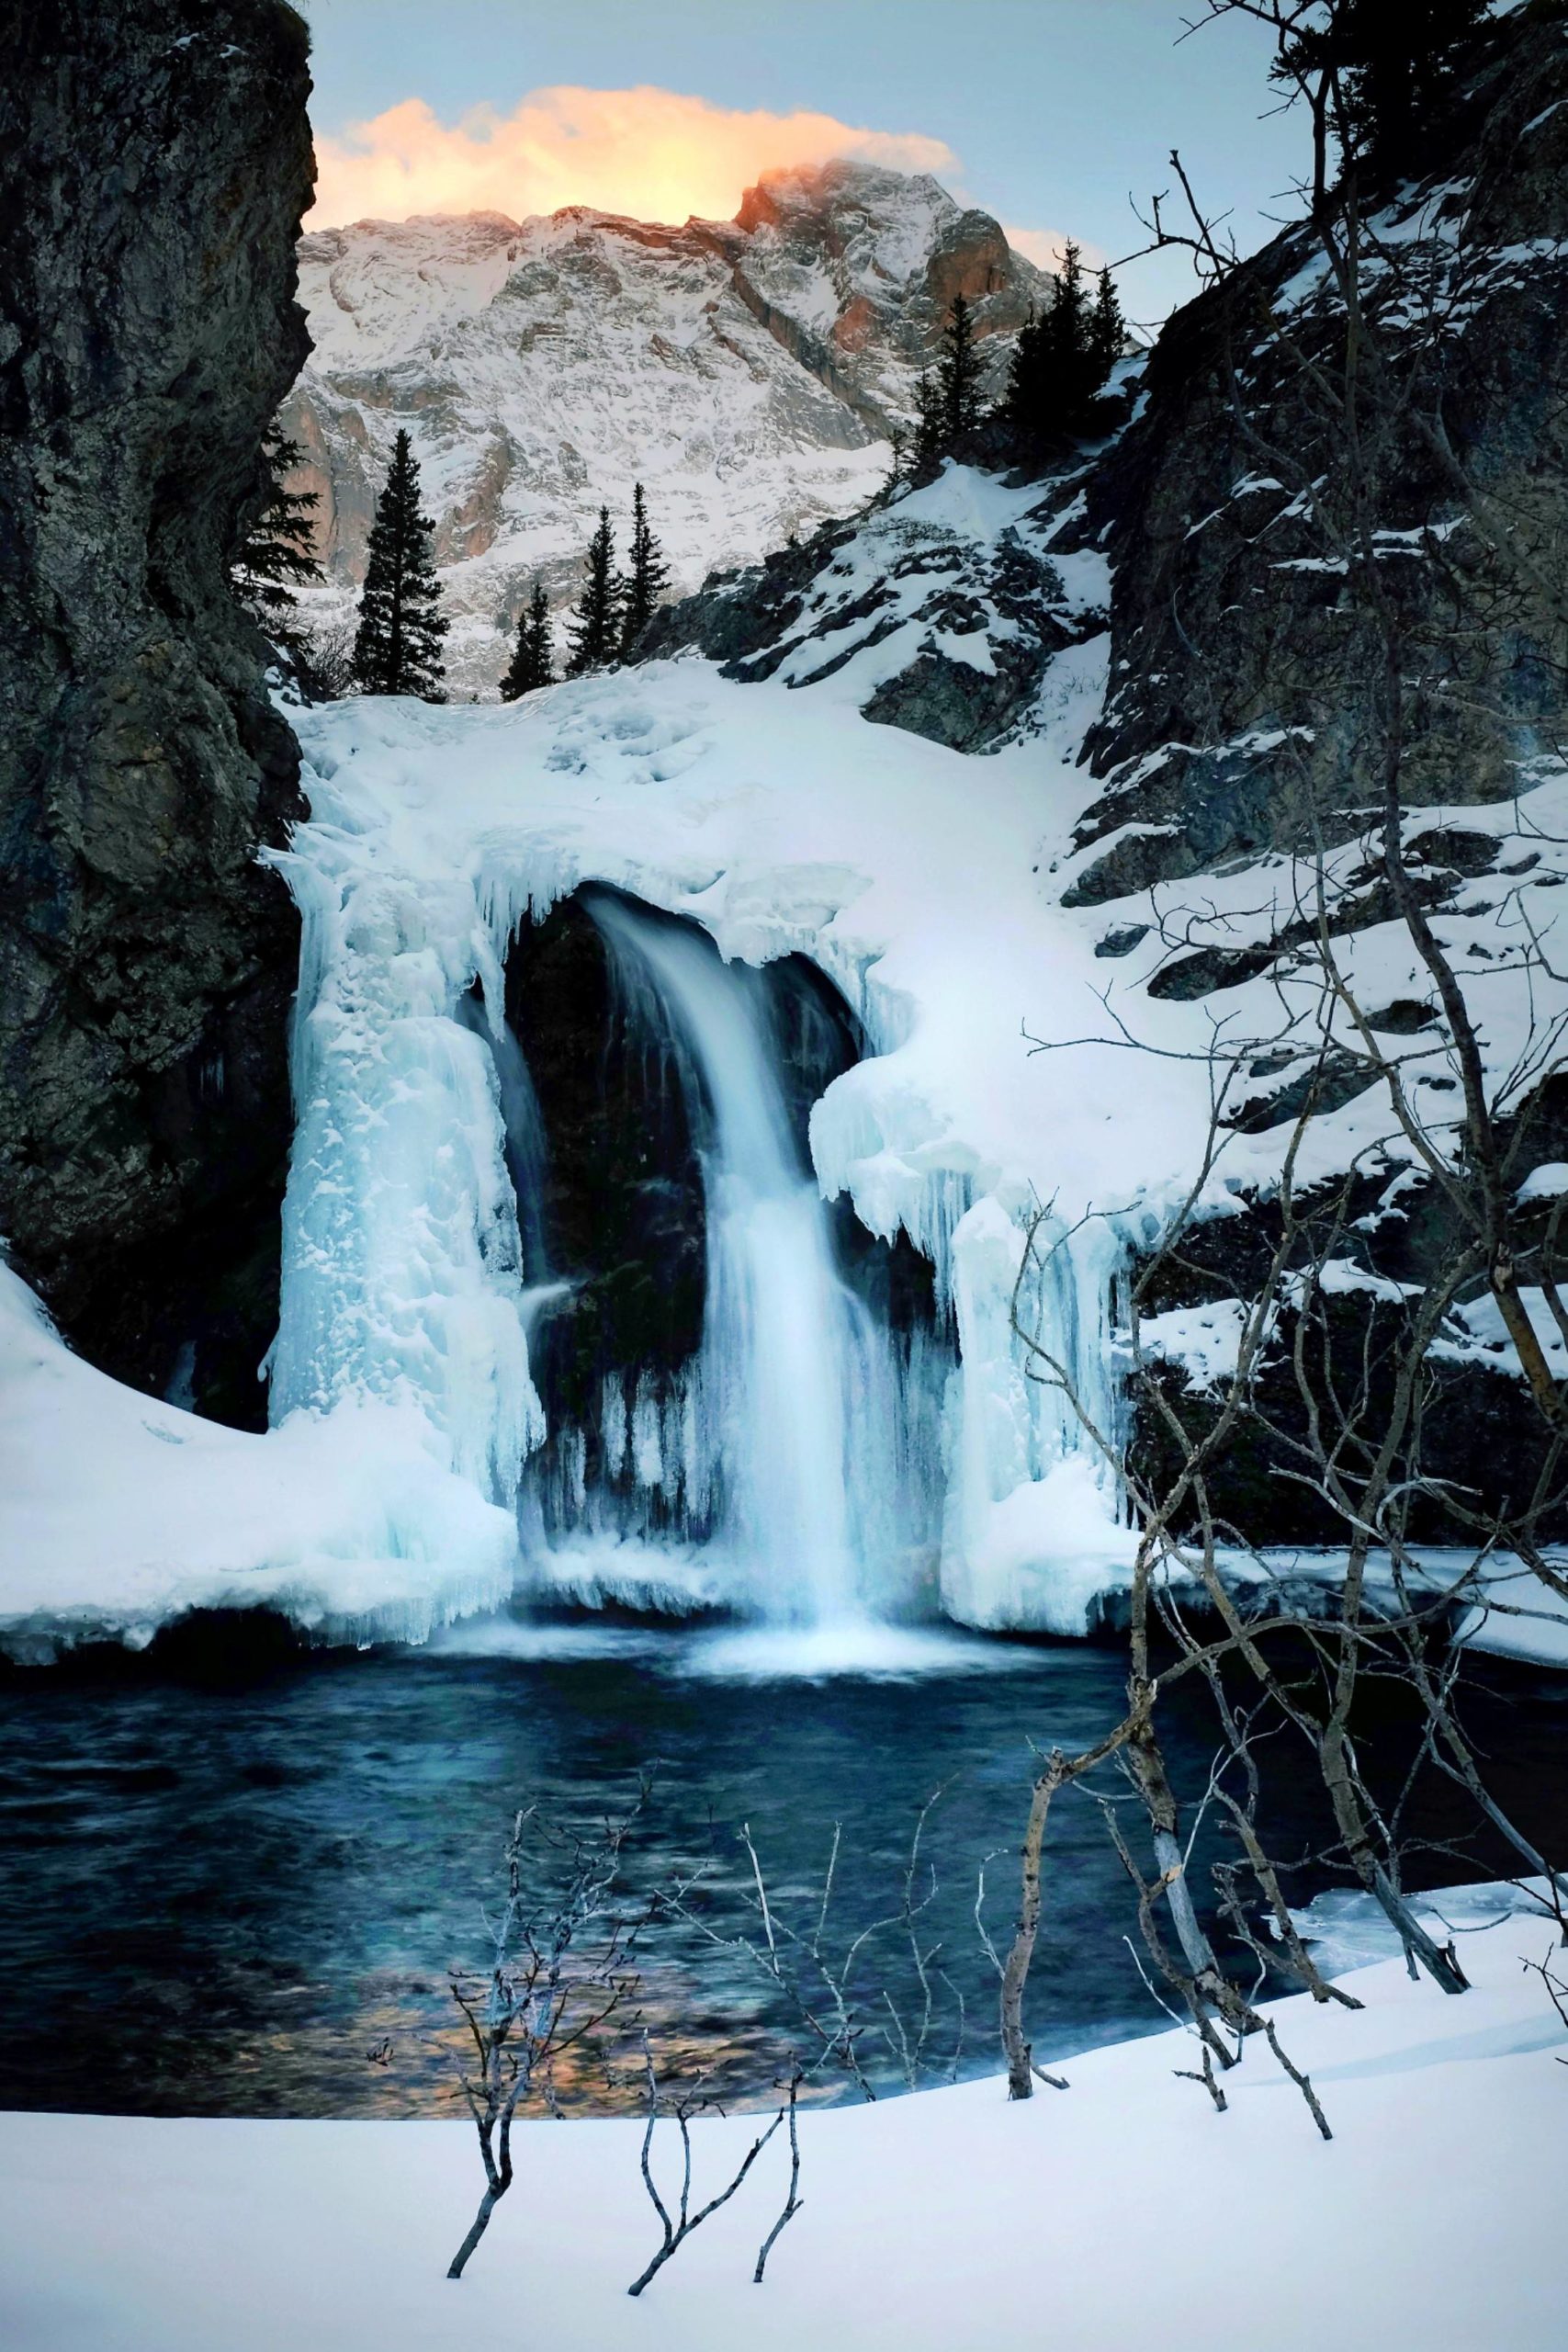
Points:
x=964 y=606
x=157 y=161
x=1237 y=666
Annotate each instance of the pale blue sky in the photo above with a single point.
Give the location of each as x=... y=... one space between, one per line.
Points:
x=1058 y=108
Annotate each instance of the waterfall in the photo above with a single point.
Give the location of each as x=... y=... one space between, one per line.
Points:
x=796 y=1388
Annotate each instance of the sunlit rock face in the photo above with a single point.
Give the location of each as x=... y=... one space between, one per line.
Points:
x=747 y=371
x=158 y=160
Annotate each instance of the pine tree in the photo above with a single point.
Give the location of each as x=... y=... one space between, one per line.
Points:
x=646 y=582
x=274 y=558
x=930 y=446
x=1108 y=330
x=1062 y=359
x=531 y=666
x=1070 y=354
x=898 y=460
x=397 y=650
x=958 y=374
x=593 y=630
x=1023 y=403
x=1397 y=68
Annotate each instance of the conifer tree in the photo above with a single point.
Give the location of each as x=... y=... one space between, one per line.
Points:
x=273 y=558
x=593 y=630
x=1070 y=353
x=1023 y=403
x=898 y=460
x=531 y=666
x=397 y=650
x=1108 y=330
x=1062 y=356
x=1397 y=67
x=958 y=374
x=646 y=580
x=929 y=444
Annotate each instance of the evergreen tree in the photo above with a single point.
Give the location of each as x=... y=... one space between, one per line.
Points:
x=1070 y=353
x=898 y=460
x=273 y=558
x=1108 y=329
x=646 y=580
x=1397 y=69
x=593 y=630
x=1062 y=359
x=1023 y=403
x=397 y=650
x=930 y=446
x=958 y=375
x=531 y=666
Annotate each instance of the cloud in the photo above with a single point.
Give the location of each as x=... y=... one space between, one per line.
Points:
x=1045 y=248
x=652 y=154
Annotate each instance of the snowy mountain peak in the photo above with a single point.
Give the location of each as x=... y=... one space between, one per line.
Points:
x=747 y=371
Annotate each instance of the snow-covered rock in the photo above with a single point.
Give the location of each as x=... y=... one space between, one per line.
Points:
x=747 y=371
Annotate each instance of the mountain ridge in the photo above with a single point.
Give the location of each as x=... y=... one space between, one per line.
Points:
x=749 y=371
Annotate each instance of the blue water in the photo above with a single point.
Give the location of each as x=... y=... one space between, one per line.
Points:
x=243 y=1895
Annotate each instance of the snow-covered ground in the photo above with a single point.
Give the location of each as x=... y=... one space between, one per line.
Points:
x=119 y=1512
x=1122 y=2210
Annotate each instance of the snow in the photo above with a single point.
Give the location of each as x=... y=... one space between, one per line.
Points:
x=120 y=1512
x=1547 y=1182
x=1476 y=1334
x=1123 y=2210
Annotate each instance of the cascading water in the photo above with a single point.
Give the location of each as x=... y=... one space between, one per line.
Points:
x=795 y=1392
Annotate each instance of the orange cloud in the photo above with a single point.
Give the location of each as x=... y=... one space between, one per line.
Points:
x=649 y=152
x=1047 y=247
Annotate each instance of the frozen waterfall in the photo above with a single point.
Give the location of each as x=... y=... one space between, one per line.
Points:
x=797 y=1390
x=804 y=1433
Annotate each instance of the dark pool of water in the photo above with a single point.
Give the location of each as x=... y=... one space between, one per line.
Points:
x=243 y=1895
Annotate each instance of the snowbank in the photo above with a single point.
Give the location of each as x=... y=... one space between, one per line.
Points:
x=120 y=1512
x=1123 y=2210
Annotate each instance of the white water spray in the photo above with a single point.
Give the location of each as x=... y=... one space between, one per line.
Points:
x=798 y=1386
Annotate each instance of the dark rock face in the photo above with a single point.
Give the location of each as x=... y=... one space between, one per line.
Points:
x=1236 y=665
x=157 y=162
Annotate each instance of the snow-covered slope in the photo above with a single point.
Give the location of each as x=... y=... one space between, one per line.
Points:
x=745 y=370
x=119 y=1512
x=1426 y=2226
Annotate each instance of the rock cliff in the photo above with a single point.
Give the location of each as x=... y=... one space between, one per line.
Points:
x=157 y=160
x=1236 y=665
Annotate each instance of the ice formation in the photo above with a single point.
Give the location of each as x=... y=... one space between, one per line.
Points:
x=805 y=1466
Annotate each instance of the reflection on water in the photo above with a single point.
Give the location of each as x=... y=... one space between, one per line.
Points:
x=245 y=1900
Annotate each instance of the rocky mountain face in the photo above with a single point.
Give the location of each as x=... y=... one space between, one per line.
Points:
x=157 y=160
x=747 y=371
x=1236 y=668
